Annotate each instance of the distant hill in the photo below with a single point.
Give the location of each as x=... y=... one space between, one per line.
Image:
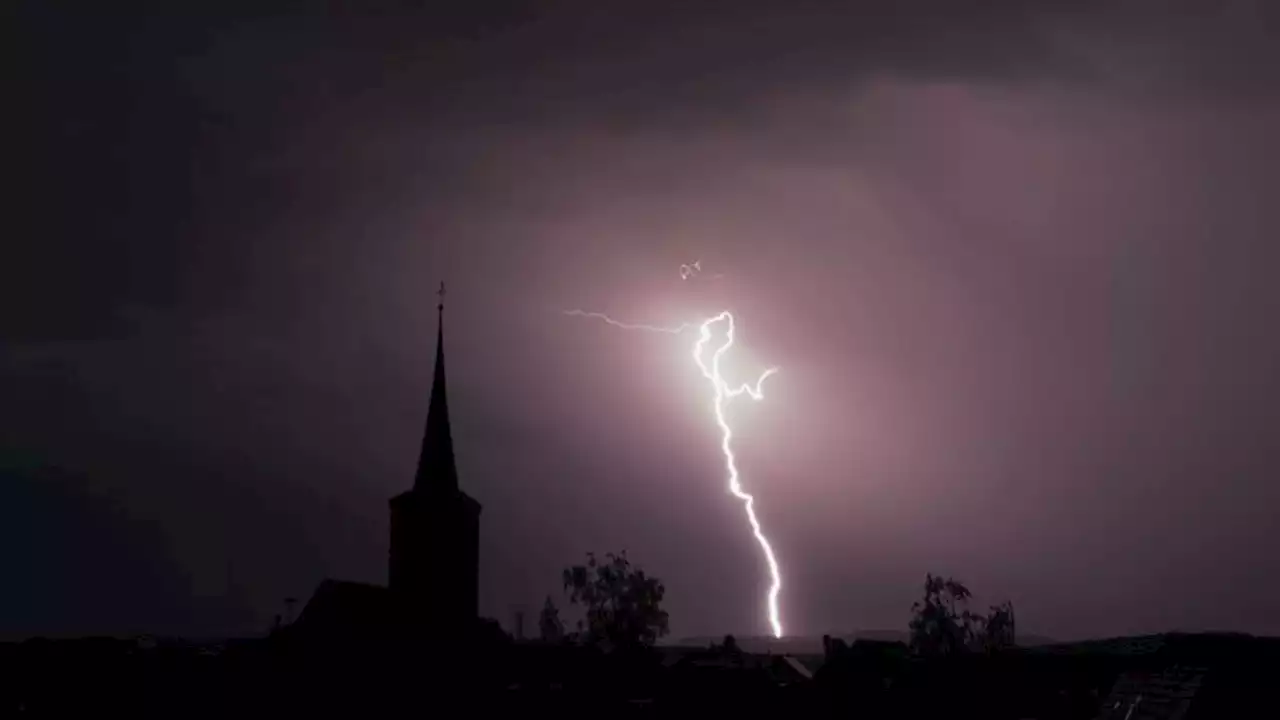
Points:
x=1028 y=640
x=812 y=644
x=791 y=645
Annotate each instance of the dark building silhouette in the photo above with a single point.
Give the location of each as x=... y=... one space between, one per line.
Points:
x=435 y=526
x=434 y=568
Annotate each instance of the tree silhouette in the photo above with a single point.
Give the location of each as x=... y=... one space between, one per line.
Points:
x=549 y=626
x=941 y=622
x=730 y=645
x=998 y=631
x=623 y=605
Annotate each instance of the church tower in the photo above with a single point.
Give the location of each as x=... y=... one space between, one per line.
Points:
x=435 y=526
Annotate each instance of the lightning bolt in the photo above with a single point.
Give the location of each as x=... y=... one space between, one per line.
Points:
x=631 y=326
x=724 y=393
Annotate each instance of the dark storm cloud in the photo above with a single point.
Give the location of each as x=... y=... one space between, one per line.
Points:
x=1014 y=259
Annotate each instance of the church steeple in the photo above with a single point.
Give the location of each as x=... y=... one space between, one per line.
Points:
x=434 y=569
x=436 y=469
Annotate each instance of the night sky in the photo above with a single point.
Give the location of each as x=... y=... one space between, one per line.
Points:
x=1016 y=262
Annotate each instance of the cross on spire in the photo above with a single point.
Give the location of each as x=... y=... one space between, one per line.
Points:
x=440 y=292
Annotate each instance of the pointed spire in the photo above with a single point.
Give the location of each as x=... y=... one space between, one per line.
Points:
x=436 y=468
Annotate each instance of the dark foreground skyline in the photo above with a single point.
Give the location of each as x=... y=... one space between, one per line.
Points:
x=1015 y=262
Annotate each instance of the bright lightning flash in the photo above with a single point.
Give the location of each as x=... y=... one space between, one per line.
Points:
x=724 y=392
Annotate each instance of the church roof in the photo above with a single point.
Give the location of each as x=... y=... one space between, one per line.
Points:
x=344 y=606
x=437 y=470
